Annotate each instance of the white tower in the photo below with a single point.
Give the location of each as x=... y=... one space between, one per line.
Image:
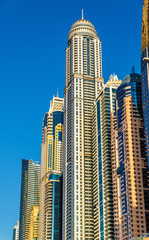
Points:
x=83 y=81
x=16 y=232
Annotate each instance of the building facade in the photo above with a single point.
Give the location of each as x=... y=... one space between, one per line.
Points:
x=145 y=69
x=53 y=206
x=144 y=237
x=129 y=162
x=51 y=155
x=82 y=84
x=16 y=232
x=102 y=162
x=30 y=193
x=34 y=224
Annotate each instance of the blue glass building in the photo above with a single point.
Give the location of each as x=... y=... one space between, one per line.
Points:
x=145 y=69
x=23 y=198
x=30 y=192
x=53 y=206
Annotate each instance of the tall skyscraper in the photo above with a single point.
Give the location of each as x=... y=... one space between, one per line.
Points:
x=145 y=69
x=16 y=232
x=102 y=162
x=51 y=163
x=82 y=84
x=30 y=192
x=129 y=162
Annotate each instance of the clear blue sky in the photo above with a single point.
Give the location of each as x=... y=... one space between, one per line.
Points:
x=33 y=38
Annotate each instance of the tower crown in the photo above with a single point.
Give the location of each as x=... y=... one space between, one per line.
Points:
x=82 y=27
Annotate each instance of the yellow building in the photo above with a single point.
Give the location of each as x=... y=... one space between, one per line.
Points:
x=51 y=156
x=34 y=223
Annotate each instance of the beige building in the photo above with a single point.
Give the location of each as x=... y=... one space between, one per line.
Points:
x=102 y=162
x=82 y=84
x=129 y=162
x=16 y=232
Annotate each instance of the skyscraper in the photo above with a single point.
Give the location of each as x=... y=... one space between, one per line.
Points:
x=51 y=162
x=16 y=232
x=145 y=69
x=102 y=162
x=30 y=192
x=129 y=162
x=82 y=84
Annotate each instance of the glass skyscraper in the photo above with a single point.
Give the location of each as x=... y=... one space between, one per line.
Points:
x=30 y=192
x=82 y=84
x=51 y=172
x=102 y=162
x=129 y=162
x=53 y=206
x=145 y=69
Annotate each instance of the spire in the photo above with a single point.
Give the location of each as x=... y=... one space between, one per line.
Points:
x=57 y=91
x=82 y=14
x=133 y=69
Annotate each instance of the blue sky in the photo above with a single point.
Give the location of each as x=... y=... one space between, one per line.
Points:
x=33 y=38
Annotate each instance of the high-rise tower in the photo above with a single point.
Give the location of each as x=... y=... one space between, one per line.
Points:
x=16 y=232
x=82 y=84
x=145 y=69
x=102 y=162
x=30 y=192
x=51 y=166
x=129 y=162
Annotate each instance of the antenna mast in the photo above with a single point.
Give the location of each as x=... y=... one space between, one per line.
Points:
x=82 y=14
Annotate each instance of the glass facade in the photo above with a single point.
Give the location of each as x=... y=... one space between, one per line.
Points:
x=23 y=198
x=57 y=118
x=145 y=94
x=57 y=211
x=30 y=191
x=14 y=234
x=53 y=207
x=102 y=162
x=100 y=173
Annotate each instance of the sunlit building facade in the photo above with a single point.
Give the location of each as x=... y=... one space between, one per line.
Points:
x=102 y=162
x=30 y=193
x=34 y=224
x=144 y=237
x=82 y=84
x=16 y=232
x=53 y=206
x=129 y=162
x=51 y=157
x=145 y=69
